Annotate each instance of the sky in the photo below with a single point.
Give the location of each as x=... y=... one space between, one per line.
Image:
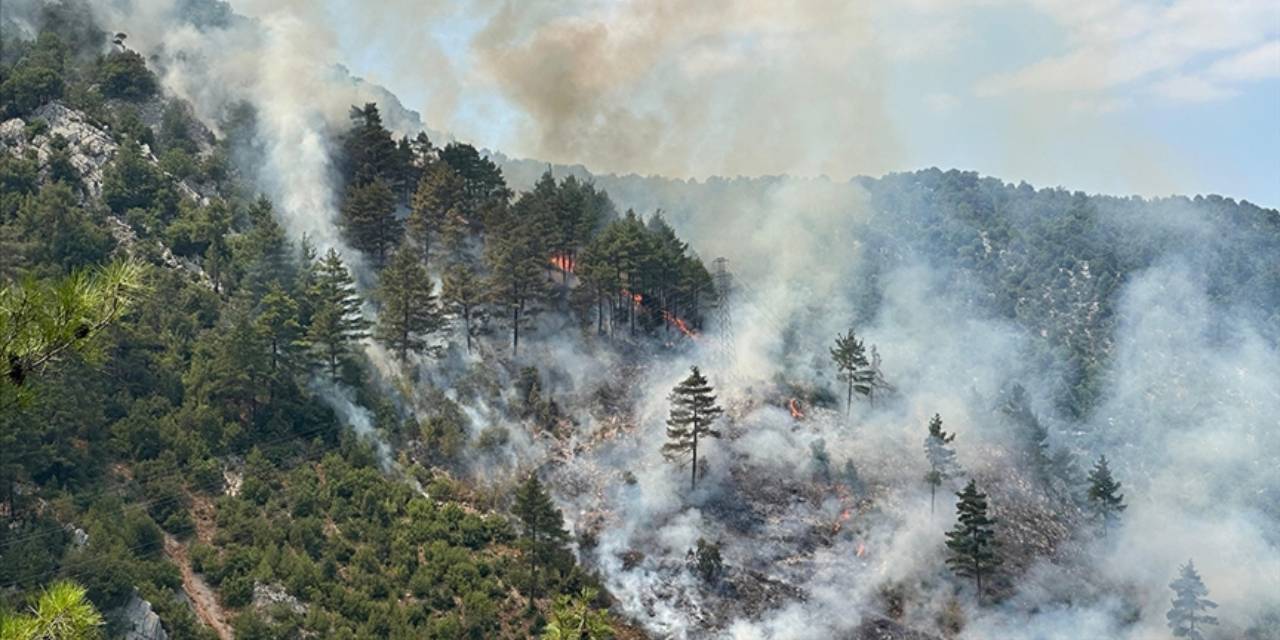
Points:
x=1120 y=97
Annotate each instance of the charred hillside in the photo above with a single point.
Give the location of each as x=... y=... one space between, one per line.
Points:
x=282 y=363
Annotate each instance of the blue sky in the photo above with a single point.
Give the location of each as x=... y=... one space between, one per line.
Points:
x=1138 y=97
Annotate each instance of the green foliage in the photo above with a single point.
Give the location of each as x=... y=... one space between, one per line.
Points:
x=409 y=314
x=941 y=458
x=1105 y=499
x=971 y=543
x=1188 y=616
x=369 y=219
x=575 y=618
x=693 y=412
x=542 y=533
x=130 y=181
x=336 y=320
x=60 y=612
x=124 y=75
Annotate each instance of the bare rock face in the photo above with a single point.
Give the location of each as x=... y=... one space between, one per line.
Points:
x=138 y=621
x=91 y=147
x=268 y=597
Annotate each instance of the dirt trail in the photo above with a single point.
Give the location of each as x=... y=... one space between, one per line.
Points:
x=203 y=599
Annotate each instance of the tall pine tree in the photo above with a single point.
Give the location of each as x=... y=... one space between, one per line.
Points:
x=461 y=294
x=369 y=219
x=542 y=531
x=693 y=411
x=971 y=542
x=1188 y=614
x=336 y=320
x=1105 y=500
x=852 y=366
x=409 y=313
x=942 y=458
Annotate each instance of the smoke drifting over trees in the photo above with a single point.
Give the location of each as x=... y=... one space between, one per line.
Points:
x=1051 y=328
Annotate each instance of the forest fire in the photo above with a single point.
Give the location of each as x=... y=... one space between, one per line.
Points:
x=862 y=550
x=679 y=324
x=563 y=262
x=793 y=406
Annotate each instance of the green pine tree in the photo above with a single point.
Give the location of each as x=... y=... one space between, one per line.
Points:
x=542 y=532
x=409 y=313
x=971 y=542
x=462 y=293
x=942 y=458
x=1105 y=499
x=336 y=321
x=277 y=325
x=693 y=411
x=369 y=219
x=1188 y=614
x=852 y=366
x=60 y=612
x=439 y=195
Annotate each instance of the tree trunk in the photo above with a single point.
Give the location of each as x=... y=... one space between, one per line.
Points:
x=848 y=400
x=515 y=329
x=466 y=325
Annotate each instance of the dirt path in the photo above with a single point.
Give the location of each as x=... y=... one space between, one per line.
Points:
x=203 y=599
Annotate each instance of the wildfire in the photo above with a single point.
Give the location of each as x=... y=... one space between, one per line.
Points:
x=680 y=324
x=862 y=550
x=563 y=262
x=844 y=517
x=793 y=405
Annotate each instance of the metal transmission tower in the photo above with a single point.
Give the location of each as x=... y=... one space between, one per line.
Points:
x=724 y=317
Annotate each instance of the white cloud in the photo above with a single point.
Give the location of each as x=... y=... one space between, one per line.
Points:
x=1116 y=46
x=1258 y=63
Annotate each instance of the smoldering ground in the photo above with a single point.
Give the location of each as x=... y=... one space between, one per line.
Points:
x=1188 y=415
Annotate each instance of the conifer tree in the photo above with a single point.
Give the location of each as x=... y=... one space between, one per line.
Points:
x=693 y=411
x=971 y=542
x=852 y=366
x=369 y=219
x=1188 y=614
x=461 y=294
x=439 y=196
x=542 y=530
x=409 y=312
x=942 y=458
x=336 y=321
x=516 y=261
x=1105 y=499
x=277 y=325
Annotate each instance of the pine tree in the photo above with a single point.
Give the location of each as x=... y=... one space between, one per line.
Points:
x=1105 y=499
x=461 y=294
x=336 y=321
x=972 y=541
x=542 y=530
x=369 y=219
x=409 y=313
x=693 y=411
x=942 y=459
x=1187 y=615
x=852 y=366
x=439 y=196
x=61 y=612
x=516 y=262
x=277 y=325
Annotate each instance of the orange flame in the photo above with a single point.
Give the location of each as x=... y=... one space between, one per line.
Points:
x=794 y=406
x=563 y=262
x=680 y=324
x=862 y=550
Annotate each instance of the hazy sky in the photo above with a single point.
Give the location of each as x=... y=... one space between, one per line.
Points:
x=1105 y=96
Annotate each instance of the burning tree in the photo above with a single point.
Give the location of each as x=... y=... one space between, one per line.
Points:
x=693 y=411
x=1189 y=605
x=942 y=458
x=972 y=541
x=852 y=366
x=1105 y=499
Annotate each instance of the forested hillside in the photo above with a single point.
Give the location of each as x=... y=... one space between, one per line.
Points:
x=278 y=362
